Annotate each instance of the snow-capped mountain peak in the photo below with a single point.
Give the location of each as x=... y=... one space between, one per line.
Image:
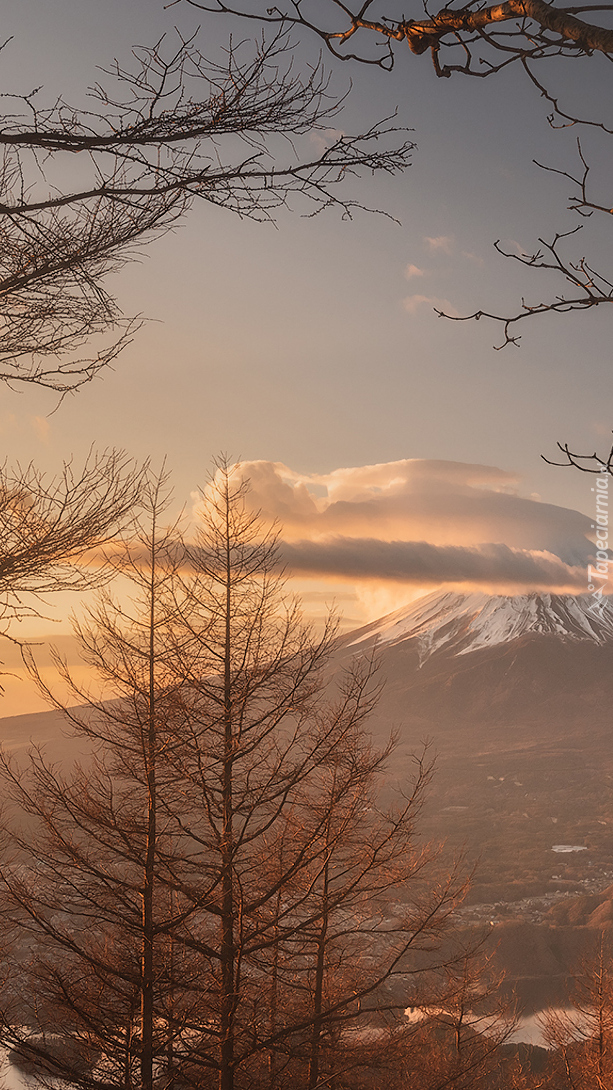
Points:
x=467 y=622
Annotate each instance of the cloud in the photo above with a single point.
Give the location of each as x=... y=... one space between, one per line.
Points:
x=40 y=425
x=323 y=139
x=442 y=244
x=424 y=563
x=470 y=256
x=412 y=303
x=413 y=270
x=511 y=244
x=421 y=521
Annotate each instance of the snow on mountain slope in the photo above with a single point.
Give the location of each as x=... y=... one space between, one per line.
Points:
x=466 y=622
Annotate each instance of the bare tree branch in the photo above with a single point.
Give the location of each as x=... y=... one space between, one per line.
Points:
x=174 y=128
x=595 y=289
x=587 y=463
x=49 y=527
x=532 y=28
x=209 y=902
x=478 y=40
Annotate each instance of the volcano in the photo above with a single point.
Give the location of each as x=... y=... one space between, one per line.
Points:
x=515 y=696
x=534 y=665
x=462 y=623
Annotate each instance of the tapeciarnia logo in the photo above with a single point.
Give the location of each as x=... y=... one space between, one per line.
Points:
x=598 y=576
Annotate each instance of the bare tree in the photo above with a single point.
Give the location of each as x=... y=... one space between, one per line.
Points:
x=480 y=40
x=156 y=136
x=582 y=1034
x=92 y=893
x=50 y=527
x=530 y=31
x=464 y=1033
x=292 y=857
x=211 y=901
x=586 y=463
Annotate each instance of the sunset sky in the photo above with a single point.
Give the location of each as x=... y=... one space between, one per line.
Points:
x=398 y=450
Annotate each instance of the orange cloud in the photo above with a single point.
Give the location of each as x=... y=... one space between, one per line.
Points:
x=420 y=521
x=412 y=303
x=441 y=244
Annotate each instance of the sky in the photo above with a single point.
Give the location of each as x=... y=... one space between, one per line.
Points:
x=398 y=450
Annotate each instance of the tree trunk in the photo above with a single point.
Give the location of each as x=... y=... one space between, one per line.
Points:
x=149 y=746
x=226 y=1071
x=423 y=34
x=320 y=966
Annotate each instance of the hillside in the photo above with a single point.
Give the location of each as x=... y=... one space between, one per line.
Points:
x=520 y=724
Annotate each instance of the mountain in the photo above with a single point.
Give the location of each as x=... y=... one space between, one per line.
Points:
x=515 y=695
x=519 y=669
x=49 y=730
x=462 y=623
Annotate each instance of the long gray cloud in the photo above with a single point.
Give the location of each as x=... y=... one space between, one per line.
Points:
x=422 y=562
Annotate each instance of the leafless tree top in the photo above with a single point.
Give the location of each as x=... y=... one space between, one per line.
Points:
x=49 y=525
x=480 y=40
x=172 y=128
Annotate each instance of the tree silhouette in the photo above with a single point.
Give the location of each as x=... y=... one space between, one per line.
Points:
x=172 y=129
x=209 y=900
